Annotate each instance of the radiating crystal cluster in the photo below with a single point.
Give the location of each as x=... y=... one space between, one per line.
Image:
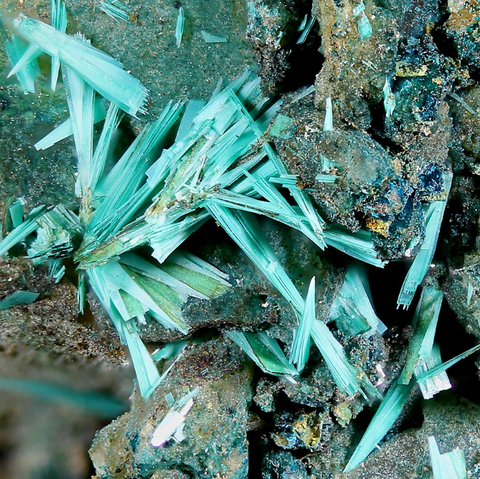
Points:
x=201 y=160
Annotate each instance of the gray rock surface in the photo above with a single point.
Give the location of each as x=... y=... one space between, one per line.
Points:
x=215 y=443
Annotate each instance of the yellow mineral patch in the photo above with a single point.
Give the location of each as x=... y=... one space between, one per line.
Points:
x=404 y=69
x=343 y=413
x=378 y=226
x=308 y=428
